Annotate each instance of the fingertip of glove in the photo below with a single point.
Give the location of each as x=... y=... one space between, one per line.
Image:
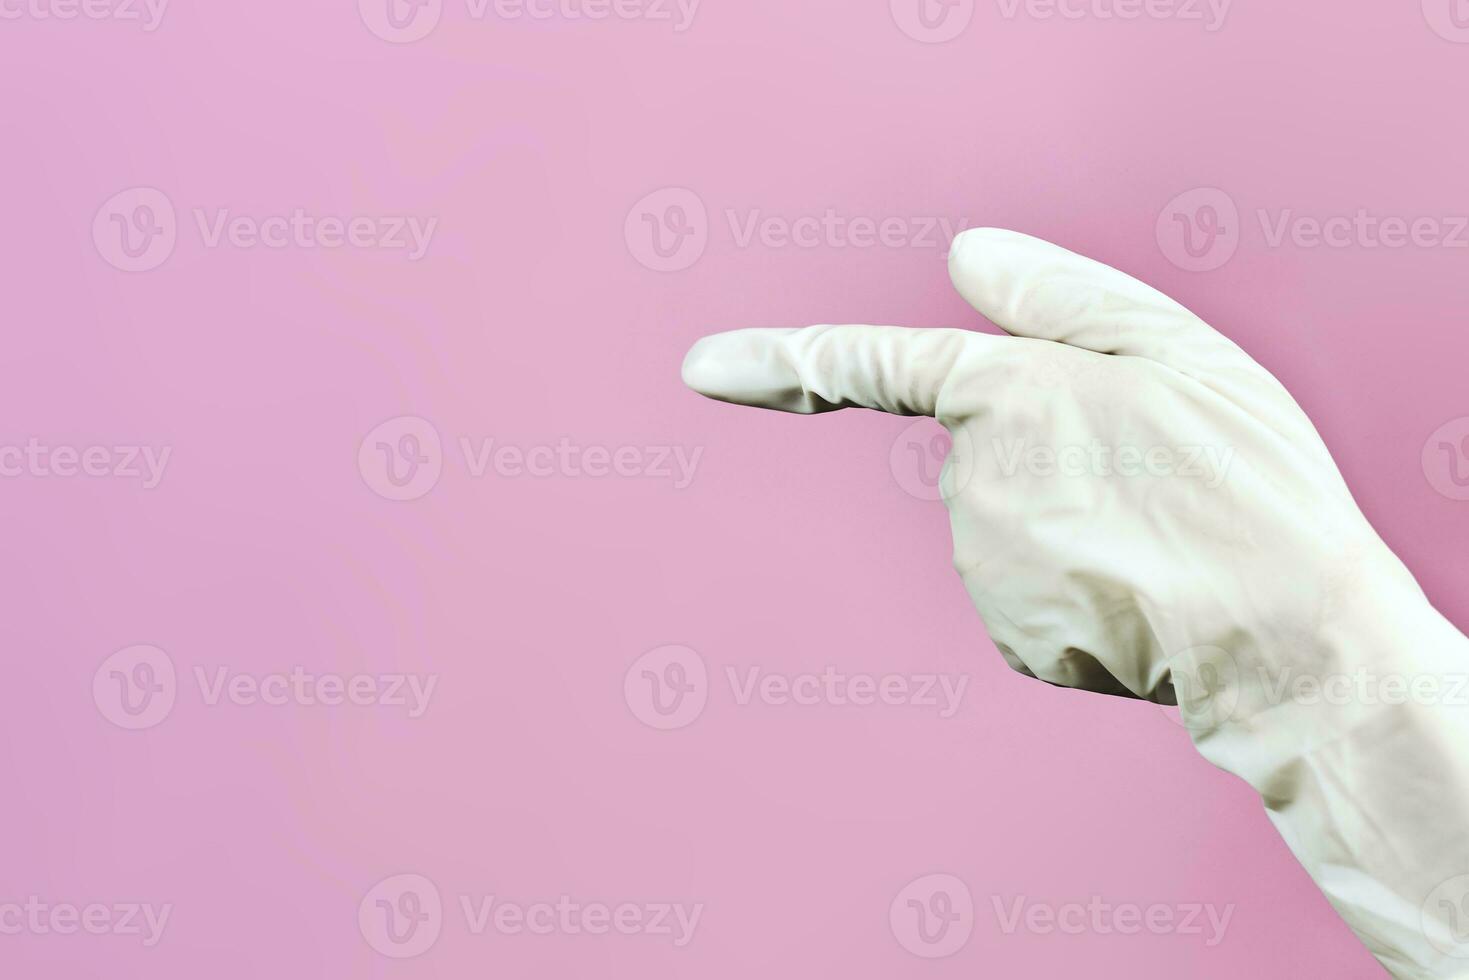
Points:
x=744 y=367
x=724 y=366
x=699 y=366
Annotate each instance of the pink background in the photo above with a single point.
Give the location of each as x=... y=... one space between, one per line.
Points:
x=531 y=319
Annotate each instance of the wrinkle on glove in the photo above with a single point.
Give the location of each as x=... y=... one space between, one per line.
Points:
x=1139 y=508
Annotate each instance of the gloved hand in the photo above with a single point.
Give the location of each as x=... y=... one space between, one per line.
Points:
x=1139 y=508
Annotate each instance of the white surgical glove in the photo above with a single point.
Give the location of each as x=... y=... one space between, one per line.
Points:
x=1139 y=508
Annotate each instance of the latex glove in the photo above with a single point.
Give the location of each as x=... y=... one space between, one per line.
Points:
x=1139 y=508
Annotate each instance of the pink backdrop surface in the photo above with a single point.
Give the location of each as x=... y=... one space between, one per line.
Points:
x=270 y=461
